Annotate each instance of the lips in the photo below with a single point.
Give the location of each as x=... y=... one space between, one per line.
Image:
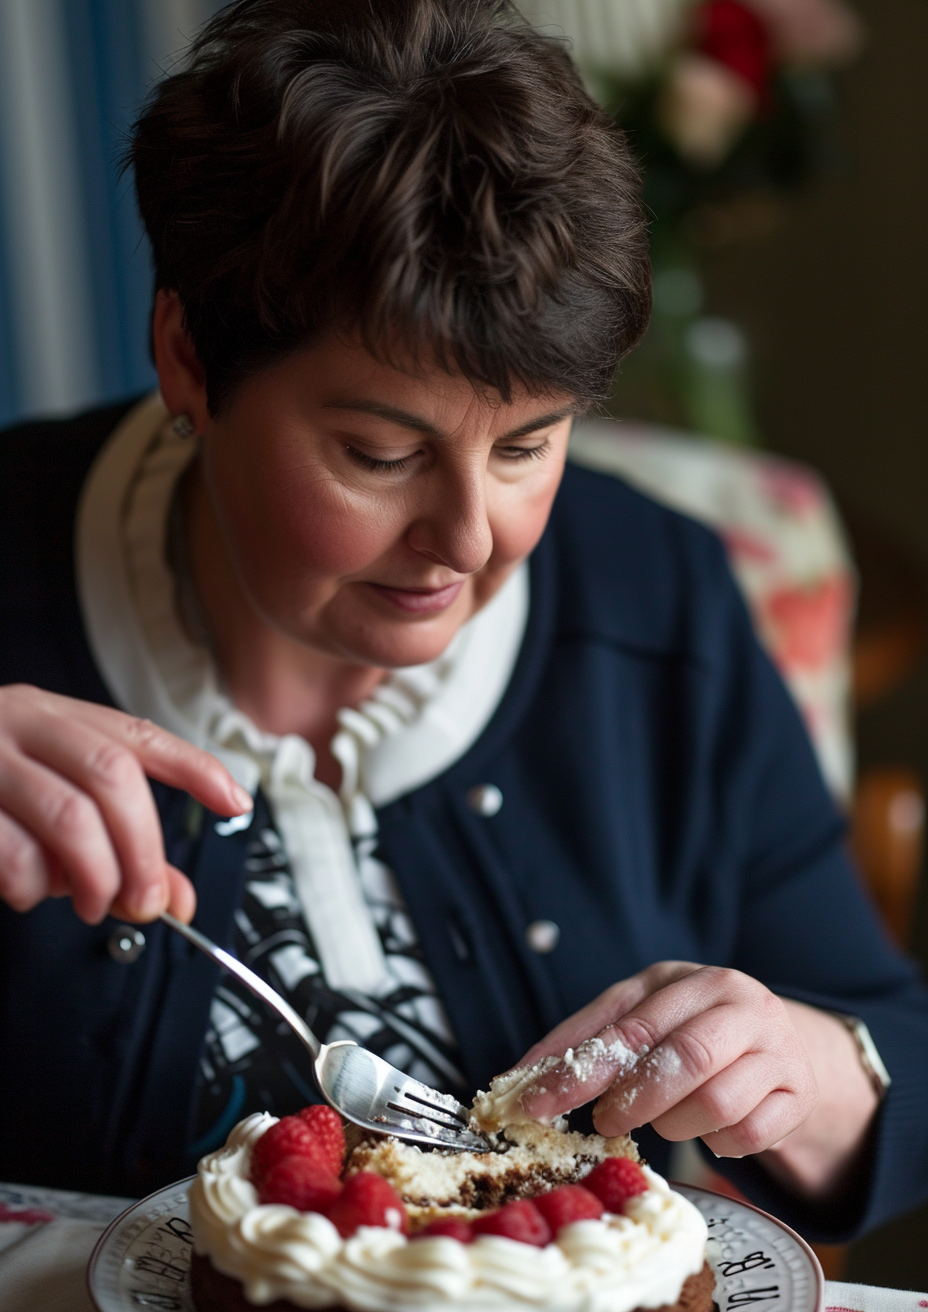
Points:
x=419 y=601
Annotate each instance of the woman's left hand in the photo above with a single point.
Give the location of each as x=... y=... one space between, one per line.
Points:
x=697 y=1051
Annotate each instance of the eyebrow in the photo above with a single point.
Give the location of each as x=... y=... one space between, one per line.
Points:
x=405 y=419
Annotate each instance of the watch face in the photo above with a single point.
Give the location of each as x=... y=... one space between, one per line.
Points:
x=760 y=1265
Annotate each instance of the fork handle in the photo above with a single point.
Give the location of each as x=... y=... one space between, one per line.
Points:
x=259 y=987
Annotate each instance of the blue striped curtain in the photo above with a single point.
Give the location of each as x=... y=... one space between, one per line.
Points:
x=75 y=272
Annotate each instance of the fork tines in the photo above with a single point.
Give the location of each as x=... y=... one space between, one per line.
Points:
x=422 y=1109
x=428 y=1108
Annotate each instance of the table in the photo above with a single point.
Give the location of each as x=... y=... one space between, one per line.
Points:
x=47 y=1236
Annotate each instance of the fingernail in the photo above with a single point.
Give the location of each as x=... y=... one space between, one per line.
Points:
x=243 y=799
x=150 y=902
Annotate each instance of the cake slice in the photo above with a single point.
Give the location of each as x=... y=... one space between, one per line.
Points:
x=528 y=1158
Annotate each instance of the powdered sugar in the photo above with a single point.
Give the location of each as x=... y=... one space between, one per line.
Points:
x=652 y=1068
x=592 y=1058
x=661 y=1064
x=598 y=1061
x=666 y=1061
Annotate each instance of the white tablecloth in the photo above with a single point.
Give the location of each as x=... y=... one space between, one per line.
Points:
x=47 y=1236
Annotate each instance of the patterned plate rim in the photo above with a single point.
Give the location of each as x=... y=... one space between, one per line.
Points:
x=689 y=1191
x=118 y=1221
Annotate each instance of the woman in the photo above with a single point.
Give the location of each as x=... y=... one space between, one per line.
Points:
x=446 y=741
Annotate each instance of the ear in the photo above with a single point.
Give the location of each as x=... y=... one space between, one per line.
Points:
x=180 y=374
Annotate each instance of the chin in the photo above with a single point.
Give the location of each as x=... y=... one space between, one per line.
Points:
x=398 y=655
x=412 y=644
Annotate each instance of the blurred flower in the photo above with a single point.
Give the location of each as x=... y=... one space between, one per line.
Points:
x=736 y=36
x=807 y=627
x=703 y=108
x=811 y=31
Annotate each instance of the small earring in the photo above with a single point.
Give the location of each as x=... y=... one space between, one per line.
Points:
x=183 y=426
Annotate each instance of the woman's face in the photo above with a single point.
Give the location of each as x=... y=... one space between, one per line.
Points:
x=369 y=512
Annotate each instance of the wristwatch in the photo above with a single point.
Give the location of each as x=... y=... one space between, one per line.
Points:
x=867 y=1051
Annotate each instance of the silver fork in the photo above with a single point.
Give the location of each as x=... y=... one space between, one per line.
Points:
x=361 y=1086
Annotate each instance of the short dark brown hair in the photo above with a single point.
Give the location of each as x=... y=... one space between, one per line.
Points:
x=428 y=171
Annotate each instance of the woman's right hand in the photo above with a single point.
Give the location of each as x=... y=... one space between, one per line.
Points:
x=77 y=817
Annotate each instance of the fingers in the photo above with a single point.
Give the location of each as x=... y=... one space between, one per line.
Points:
x=110 y=775
x=24 y=873
x=597 y=1048
x=78 y=816
x=180 y=898
x=693 y=1051
x=698 y=1051
x=169 y=759
x=601 y=1013
x=745 y=1108
x=64 y=821
x=735 y=1074
x=721 y=1101
x=161 y=755
x=765 y=1125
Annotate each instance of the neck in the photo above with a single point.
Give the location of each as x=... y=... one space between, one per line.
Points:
x=281 y=684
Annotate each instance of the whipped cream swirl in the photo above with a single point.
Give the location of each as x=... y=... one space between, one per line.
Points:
x=614 y=1264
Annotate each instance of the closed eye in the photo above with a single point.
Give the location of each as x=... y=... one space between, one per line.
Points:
x=375 y=465
x=525 y=452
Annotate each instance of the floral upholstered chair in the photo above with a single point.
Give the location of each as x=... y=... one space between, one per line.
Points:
x=787 y=549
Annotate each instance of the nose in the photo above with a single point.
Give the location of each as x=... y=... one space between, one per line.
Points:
x=453 y=528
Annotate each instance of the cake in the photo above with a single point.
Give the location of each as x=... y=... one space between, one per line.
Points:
x=550 y=1218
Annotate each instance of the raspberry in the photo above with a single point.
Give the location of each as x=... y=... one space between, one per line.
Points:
x=326 y=1126
x=614 y=1181
x=301 y=1183
x=368 y=1199
x=448 y=1226
x=288 y=1138
x=521 y=1221
x=568 y=1204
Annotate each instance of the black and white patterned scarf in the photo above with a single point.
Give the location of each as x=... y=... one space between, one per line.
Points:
x=251 y=1060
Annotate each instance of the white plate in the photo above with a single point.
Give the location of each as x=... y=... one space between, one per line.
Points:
x=143 y=1259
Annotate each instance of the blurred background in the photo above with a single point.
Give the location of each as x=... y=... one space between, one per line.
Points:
x=75 y=281
x=780 y=393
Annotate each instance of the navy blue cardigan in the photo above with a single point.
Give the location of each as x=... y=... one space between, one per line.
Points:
x=661 y=800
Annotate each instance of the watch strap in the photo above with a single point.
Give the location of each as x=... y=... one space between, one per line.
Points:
x=867 y=1051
